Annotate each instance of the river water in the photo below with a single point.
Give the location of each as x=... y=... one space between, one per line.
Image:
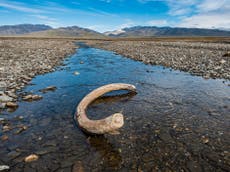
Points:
x=176 y=121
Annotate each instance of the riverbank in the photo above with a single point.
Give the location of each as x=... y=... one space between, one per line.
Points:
x=207 y=59
x=22 y=59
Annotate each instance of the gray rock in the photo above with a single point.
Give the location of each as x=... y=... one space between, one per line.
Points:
x=5 y=98
x=13 y=154
x=2 y=105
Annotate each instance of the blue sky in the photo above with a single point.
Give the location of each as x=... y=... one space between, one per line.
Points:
x=104 y=15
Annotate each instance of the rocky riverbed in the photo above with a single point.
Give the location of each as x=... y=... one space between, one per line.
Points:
x=22 y=59
x=210 y=60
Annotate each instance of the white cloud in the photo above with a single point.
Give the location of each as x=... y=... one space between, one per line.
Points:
x=107 y=1
x=214 y=20
x=213 y=5
x=47 y=20
x=19 y=7
x=209 y=14
x=157 y=22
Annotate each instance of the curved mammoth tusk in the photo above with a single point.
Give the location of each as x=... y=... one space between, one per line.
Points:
x=107 y=125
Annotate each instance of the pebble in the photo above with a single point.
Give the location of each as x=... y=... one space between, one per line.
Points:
x=4 y=138
x=11 y=104
x=25 y=58
x=21 y=129
x=2 y=105
x=5 y=98
x=13 y=154
x=49 y=88
x=199 y=58
x=76 y=73
x=6 y=128
x=4 y=167
x=204 y=139
x=32 y=97
x=31 y=158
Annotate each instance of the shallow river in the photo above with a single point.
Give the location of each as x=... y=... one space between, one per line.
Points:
x=176 y=122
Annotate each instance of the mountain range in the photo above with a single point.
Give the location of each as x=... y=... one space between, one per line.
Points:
x=149 y=31
x=40 y=30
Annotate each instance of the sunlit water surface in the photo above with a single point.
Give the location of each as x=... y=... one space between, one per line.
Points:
x=176 y=122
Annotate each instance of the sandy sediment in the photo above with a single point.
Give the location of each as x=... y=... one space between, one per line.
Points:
x=210 y=60
x=22 y=59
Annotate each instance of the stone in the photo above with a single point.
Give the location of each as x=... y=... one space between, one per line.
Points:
x=227 y=54
x=11 y=104
x=4 y=167
x=4 y=138
x=5 y=98
x=32 y=97
x=21 y=129
x=76 y=73
x=204 y=139
x=49 y=88
x=36 y=97
x=31 y=158
x=6 y=128
x=222 y=61
x=2 y=105
x=27 y=97
x=78 y=167
x=13 y=154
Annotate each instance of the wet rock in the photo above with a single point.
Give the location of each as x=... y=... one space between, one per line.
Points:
x=13 y=154
x=36 y=97
x=31 y=158
x=4 y=138
x=11 y=104
x=6 y=128
x=21 y=129
x=76 y=73
x=4 y=167
x=45 y=150
x=49 y=88
x=31 y=97
x=28 y=97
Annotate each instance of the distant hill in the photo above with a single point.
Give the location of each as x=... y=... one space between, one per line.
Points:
x=40 y=30
x=73 y=31
x=148 y=31
x=22 y=29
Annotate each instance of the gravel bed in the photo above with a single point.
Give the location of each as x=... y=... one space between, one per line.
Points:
x=22 y=59
x=210 y=60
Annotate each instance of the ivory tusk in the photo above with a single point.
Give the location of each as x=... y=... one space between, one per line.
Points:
x=107 y=125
